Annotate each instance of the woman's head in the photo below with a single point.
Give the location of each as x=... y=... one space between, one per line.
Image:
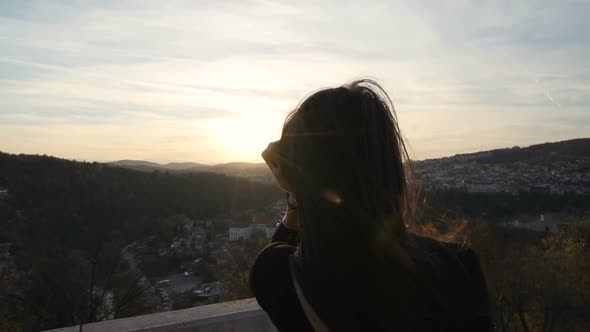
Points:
x=344 y=158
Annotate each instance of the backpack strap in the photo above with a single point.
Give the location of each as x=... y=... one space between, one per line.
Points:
x=316 y=322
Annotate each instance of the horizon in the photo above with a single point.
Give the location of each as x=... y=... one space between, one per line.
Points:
x=165 y=162
x=212 y=83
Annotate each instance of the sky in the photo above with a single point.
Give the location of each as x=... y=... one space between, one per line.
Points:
x=212 y=81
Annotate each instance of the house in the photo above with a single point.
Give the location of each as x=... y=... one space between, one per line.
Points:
x=545 y=224
x=258 y=224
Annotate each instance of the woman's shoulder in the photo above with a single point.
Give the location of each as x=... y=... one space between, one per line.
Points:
x=271 y=267
x=271 y=284
x=274 y=253
x=450 y=252
x=460 y=278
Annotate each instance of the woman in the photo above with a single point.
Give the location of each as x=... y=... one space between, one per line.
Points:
x=342 y=258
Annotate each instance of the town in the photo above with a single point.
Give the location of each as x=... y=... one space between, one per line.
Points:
x=474 y=174
x=197 y=261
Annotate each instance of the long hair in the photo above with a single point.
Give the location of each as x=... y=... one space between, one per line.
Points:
x=346 y=161
x=344 y=157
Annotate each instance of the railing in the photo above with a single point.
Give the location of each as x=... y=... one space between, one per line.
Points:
x=242 y=315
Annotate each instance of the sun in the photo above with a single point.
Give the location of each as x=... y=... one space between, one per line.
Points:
x=243 y=137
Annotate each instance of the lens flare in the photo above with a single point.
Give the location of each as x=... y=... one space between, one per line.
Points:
x=333 y=197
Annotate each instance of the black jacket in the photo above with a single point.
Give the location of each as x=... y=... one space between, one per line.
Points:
x=272 y=285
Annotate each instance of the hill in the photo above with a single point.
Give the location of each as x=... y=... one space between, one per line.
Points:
x=569 y=150
x=79 y=194
x=148 y=166
x=66 y=223
x=253 y=171
x=574 y=149
x=184 y=166
x=139 y=165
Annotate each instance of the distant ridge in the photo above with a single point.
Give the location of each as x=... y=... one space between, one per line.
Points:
x=573 y=148
x=139 y=165
x=564 y=150
x=186 y=165
x=183 y=166
x=143 y=163
x=254 y=171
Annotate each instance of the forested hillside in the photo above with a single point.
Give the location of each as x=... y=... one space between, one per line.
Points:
x=67 y=222
x=78 y=194
x=573 y=149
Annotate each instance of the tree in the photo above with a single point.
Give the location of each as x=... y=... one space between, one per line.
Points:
x=235 y=274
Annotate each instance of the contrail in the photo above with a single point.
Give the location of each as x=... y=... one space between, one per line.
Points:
x=551 y=99
x=548 y=95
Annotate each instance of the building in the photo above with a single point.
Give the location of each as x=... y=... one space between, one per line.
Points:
x=245 y=231
x=545 y=224
x=3 y=193
x=258 y=224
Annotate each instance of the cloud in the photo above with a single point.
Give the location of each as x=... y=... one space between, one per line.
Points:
x=152 y=74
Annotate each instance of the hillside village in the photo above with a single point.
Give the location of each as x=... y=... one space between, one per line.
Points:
x=509 y=170
x=197 y=247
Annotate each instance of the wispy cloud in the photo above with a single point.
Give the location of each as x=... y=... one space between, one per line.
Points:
x=185 y=80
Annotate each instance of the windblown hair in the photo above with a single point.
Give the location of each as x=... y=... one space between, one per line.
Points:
x=348 y=165
x=345 y=158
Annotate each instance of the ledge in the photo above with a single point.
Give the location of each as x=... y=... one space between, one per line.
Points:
x=243 y=315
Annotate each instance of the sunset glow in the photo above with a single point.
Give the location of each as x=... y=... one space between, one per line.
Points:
x=187 y=81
